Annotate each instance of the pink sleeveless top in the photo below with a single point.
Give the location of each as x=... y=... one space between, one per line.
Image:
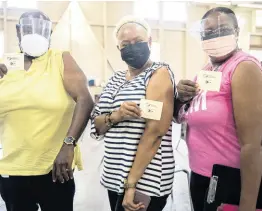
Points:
x=211 y=130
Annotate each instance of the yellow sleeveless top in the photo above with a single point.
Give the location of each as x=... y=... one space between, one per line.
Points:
x=35 y=115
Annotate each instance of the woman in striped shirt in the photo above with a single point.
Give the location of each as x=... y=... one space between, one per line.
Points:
x=138 y=152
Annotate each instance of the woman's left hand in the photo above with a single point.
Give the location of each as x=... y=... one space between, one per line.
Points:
x=128 y=202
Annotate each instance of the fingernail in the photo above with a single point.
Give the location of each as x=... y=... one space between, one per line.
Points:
x=71 y=177
x=54 y=181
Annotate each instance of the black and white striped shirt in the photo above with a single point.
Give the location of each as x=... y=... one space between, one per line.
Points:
x=121 y=141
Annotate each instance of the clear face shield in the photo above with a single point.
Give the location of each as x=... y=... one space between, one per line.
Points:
x=218 y=34
x=35 y=36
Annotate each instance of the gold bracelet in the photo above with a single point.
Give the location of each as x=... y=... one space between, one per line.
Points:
x=109 y=122
x=105 y=118
x=129 y=185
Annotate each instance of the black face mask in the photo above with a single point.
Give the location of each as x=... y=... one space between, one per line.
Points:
x=136 y=55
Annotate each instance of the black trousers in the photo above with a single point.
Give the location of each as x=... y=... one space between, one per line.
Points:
x=27 y=193
x=156 y=203
x=198 y=189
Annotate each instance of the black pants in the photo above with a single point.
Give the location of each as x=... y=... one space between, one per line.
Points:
x=198 y=189
x=27 y=193
x=156 y=203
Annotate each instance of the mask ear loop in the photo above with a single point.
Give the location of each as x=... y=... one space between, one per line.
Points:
x=237 y=35
x=219 y=29
x=237 y=31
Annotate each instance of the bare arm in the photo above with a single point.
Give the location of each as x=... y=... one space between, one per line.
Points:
x=155 y=130
x=247 y=104
x=75 y=85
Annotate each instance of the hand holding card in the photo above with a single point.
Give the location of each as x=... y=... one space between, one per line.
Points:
x=127 y=110
x=14 y=61
x=151 y=109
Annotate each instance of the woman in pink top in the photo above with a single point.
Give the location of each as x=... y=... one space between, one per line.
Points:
x=225 y=126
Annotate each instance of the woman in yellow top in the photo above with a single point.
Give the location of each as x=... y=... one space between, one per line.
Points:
x=43 y=111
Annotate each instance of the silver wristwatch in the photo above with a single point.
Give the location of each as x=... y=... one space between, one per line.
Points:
x=69 y=140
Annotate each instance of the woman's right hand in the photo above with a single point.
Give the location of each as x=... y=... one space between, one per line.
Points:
x=187 y=90
x=128 y=110
x=3 y=70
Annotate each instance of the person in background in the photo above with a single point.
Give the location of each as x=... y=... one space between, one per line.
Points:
x=224 y=127
x=138 y=152
x=43 y=111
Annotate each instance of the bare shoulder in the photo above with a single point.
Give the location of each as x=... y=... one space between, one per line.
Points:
x=247 y=69
x=69 y=61
x=247 y=74
x=72 y=72
x=66 y=54
x=161 y=76
x=160 y=83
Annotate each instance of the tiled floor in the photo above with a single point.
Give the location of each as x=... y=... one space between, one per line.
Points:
x=91 y=196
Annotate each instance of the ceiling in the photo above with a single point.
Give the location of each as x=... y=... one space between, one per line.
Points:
x=238 y=3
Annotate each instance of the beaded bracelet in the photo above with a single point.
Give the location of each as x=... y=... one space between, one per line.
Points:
x=108 y=121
